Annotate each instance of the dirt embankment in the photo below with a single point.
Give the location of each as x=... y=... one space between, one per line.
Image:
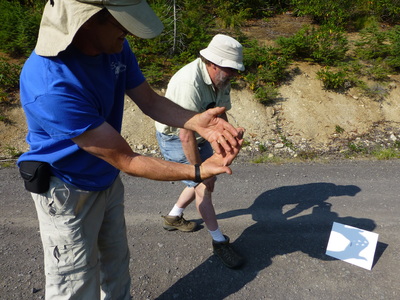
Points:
x=306 y=118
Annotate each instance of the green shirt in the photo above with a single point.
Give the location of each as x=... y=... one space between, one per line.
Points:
x=191 y=87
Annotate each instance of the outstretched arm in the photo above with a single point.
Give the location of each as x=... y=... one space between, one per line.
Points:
x=106 y=143
x=222 y=135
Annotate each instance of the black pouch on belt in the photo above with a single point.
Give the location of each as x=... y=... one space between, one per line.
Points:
x=36 y=176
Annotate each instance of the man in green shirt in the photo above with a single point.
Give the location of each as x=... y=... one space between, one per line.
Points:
x=198 y=86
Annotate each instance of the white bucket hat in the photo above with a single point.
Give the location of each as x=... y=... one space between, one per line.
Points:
x=62 y=19
x=224 y=51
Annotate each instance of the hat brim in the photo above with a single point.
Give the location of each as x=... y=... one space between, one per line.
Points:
x=61 y=21
x=58 y=28
x=139 y=19
x=219 y=61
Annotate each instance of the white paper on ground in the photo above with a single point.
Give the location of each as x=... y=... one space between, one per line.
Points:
x=352 y=245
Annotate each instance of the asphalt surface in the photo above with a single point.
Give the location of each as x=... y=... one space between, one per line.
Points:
x=279 y=217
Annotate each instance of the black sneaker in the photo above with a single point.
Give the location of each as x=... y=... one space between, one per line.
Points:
x=228 y=256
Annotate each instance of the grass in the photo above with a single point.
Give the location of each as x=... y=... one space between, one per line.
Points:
x=13 y=152
x=386 y=154
x=353 y=150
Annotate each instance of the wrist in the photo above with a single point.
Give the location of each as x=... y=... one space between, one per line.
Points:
x=197 y=173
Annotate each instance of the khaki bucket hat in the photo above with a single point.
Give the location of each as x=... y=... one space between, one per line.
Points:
x=224 y=51
x=62 y=19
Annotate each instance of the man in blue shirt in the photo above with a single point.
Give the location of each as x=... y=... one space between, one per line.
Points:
x=72 y=91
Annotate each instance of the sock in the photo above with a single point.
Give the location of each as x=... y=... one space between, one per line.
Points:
x=217 y=235
x=176 y=211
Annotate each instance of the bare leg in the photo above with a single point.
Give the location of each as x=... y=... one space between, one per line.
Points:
x=187 y=196
x=205 y=207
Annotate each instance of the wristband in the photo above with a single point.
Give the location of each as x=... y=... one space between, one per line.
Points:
x=197 y=176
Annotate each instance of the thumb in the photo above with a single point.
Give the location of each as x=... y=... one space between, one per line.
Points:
x=217 y=110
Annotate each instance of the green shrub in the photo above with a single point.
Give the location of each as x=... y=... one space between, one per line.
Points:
x=349 y=12
x=9 y=78
x=238 y=10
x=19 y=28
x=379 y=70
x=184 y=35
x=333 y=80
x=373 y=43
x=325 y=45
x=394 y=38
x=229 y=18
x=9 y=75
x=325 y=12
x=299 y=45
x=267 y=62
x=386 y=10
x=265 y=69
x=266 y=94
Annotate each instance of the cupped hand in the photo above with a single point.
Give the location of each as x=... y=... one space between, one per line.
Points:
x=219 y=133
x=219 y=162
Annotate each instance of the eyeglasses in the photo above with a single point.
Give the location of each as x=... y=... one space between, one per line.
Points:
x=230 y=71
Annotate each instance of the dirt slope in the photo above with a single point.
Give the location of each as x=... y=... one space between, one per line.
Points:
x=307 y=116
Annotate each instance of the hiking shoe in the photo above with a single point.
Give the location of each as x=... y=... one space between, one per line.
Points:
x=228 y=256
x=178 y=223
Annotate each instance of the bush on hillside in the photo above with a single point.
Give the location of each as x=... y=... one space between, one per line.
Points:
x=19 y=27
x=325 y=45
x=350 y=13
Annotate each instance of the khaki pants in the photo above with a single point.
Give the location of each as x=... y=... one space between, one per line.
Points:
x=84 y=242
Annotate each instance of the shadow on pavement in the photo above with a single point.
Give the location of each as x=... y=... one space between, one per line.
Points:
x=281 y=227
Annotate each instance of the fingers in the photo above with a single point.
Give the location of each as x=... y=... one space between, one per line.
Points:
x=229 y=131
x=228 y=159
x=230 y=156
x=229 y=139
x=217 y=147
x=219 y=162
x=221 y=145
x=222 y=135
x=227 y=142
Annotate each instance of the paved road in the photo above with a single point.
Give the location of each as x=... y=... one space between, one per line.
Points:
x=279 y=217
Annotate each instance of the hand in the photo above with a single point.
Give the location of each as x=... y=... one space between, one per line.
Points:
x=218 y=163
x=230 y=156
x=222 y=136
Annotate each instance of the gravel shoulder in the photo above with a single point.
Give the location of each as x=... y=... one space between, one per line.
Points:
x=278 y=216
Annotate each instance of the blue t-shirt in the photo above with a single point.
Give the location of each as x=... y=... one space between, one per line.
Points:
x=66 y=95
